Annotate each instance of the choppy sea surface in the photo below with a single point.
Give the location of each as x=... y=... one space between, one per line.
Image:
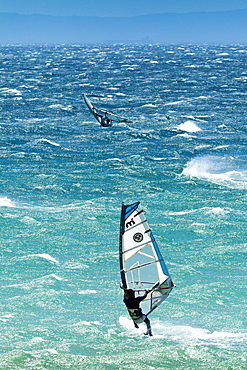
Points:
x=62 y=181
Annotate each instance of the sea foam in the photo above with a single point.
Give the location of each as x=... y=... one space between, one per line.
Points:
x=217 y=170
x=6 y=202
x=189 y=126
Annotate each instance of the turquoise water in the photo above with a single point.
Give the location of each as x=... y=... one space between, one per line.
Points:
x=63 y=178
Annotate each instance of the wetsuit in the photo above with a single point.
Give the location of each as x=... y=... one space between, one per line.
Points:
x=133 y=305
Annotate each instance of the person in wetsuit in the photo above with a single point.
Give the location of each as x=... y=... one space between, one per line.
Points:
x=133 y=305
x=104 y=120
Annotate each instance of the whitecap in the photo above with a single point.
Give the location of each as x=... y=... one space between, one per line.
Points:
x=47 y=142
x=45 y=256
x=40 y=281
x=217 y=211
x=55 y=106
x=206 y=210
x=68 y=108
x=36 y=340
x=114 y=159
x=7 y=91
x=182 y=213
x=191 y=66
x=218 y=170
x=189 y=126
x=220 y=147
x=75 y=265
x=186 y=135
x=87 y=291
x=48 y=277
x=52 y=351
x=6 y=202
x=150 y=105
x=6 y=318
x=86 y=323
x=202 y=146
x=158 y=159
x=176 y=102
x=185 y=333
x=30 y=220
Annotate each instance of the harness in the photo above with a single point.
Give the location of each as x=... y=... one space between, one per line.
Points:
x=135 y=313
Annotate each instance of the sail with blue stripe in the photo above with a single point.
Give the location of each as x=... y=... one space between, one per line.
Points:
x=141 y=263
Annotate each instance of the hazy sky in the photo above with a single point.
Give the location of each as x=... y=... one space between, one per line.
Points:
x=116 y=7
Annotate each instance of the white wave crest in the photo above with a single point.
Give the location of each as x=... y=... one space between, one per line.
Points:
x=45 y=256
x=187 y=334
x=220 y=171
x=46 y=141
x=87 y=291
x=189 y=126
x=7 y=91
x=6 y=202
x=183 y=333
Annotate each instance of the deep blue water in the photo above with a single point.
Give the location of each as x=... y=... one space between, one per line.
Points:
x=63 y=178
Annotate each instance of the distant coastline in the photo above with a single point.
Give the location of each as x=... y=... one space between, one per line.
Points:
x=228 y=27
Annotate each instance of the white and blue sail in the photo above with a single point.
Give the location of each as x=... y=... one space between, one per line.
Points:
x=141 y=263
x=104 y=117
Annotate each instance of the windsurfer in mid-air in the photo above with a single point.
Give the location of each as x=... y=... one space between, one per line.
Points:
x=133 y=305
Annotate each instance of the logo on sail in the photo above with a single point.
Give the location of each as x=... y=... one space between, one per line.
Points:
x=130 y=223
x=138 y=237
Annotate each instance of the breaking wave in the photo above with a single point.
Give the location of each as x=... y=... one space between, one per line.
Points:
x=6 y=202
x=221 y=171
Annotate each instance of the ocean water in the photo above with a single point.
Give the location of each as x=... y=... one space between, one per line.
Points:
x=62 y=181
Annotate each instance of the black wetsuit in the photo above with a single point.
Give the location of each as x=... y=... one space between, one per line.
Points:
x=133 y=305
x=134 y=302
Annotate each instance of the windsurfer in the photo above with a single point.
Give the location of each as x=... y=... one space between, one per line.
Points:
x=104 y=120
x=107 y=120
x=133 y=305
